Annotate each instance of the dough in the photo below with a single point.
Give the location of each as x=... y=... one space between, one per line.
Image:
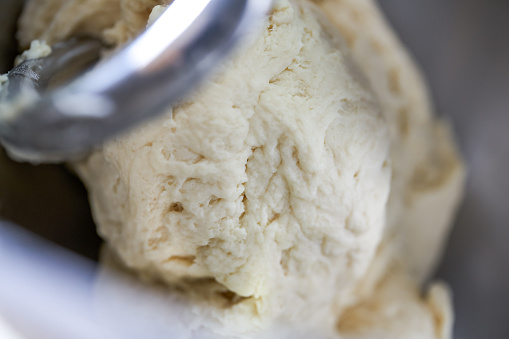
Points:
x=271 y=180
x=289 y=187
x=397 y=311
x=427 y=171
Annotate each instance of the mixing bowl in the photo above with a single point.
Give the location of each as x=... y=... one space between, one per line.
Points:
x=463 y=48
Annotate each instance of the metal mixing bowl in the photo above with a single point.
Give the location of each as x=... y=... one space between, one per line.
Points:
x=463 y=48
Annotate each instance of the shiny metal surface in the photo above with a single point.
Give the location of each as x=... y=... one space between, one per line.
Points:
x=158 y=68
x=62 y=304
x=68 y=60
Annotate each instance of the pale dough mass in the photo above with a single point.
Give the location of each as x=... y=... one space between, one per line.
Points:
x=308 y=182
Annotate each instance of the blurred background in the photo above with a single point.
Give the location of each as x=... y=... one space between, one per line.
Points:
x=463 y=49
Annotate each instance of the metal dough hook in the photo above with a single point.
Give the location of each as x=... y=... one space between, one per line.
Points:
x=140 y=81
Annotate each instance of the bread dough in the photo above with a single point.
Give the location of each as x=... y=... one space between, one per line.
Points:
x=272 y=179
x=427 y=171
x=397 y=311
x=289 y=186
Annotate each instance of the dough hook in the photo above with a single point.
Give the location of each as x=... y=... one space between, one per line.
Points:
x=49 y=122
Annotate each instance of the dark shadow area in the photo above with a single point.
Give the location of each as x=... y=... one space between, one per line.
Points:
x=9 y=11
x=49 y=201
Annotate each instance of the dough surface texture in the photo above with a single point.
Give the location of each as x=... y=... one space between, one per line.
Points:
x=306 y=183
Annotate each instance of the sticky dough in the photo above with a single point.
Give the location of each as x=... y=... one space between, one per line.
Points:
x=295 y=182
